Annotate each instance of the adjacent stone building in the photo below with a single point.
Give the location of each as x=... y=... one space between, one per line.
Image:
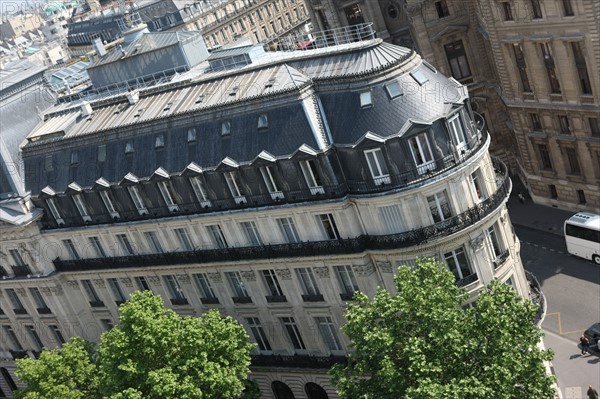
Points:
x=533 y=71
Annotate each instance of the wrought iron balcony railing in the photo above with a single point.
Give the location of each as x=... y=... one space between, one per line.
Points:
x=297 y=361
x=303 y=249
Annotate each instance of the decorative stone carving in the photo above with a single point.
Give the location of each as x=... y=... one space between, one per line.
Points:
x=72 y=284
x=385 y=266
x=57 y=290
x=215 y=277
x=248 y=275
x=363 y=270
x=98 y=282
x=46 y=290
x=183 y=278
x=20 y=291
x=153 y=280
x=322 y=271
x=126 y=281
x=284 y=274
x=477 y=242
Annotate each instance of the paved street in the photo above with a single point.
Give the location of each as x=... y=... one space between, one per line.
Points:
x=572 y=289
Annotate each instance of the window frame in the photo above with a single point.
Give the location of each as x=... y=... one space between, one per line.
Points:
x=259 y=335
x=165 y=189
x=459 y=269
x=440 y=199
x=71 y=249
x=270 y=182
x=347 y=281
x=394 y=90
x=311 y=176
x=97 y=245
x=234 y=185
x=416 y=144
x=251 y=232
x=457 y=131
x=293 y=333
x=176 y=294
x=137 y=199
x=205 y=288
x=200 y=191
x=217 y=235
x=104 y=195
x=51 y=202
x=328 y=331
x=287 y=226
x=238 y=288
x=125 y=244
x=116 y=289
x=377 y=166
x=81 y=207
x=184 y=239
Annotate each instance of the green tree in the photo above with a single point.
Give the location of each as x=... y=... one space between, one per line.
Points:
x=152 y=354
x=68 y=373
x=422 y=344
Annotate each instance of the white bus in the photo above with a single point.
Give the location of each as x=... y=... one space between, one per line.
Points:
x=582 y=233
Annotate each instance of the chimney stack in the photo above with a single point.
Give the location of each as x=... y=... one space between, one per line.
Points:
x=99 y=46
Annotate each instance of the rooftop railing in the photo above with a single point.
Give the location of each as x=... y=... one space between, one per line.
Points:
x=309 y=248
x=327 y=38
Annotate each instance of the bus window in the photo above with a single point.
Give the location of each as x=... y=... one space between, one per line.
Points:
x=582 y=235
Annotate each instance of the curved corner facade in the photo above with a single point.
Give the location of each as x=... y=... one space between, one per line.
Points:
x=271 y=192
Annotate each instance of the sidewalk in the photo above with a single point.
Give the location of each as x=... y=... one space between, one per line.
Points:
x=539 y=217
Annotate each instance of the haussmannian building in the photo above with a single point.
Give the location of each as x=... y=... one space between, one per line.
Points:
x=533 y=71
x=268 y=185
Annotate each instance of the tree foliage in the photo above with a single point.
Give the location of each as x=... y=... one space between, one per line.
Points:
x=422 y=344
x=151 y=353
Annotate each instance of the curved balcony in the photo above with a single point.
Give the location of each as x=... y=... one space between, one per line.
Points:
x=297 y=361
x=404 y=181
x=310 y=248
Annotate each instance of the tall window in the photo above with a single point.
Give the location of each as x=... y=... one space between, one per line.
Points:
x=54 y=210
x=581 y=196
x=392 y=219
x=153 y=242
x=550 y=68
x=200 y=191
x=108 y=204
x=235 y=187
x=175 y=292
x=98 y=248
x=165 y=191
x=184 y=239
x=258 y=333
x=565 y=126
x=205 y=287
x=573 y=162
x=17 y=305
x=91 y=293
x=457 y=132
x=536 y=123
x=421 y=152
x=71 y=249
x=580 y=65
x=328 y=226
x=35 y=338
x=251 y=233
x=457 y=58
x=237 y=286
x=458 y=264
x=309 y=285
x=478 y=187
x=288 y=230
x=125 y=244
x=270 y=182
x=16 y=258
x=522 y=67
x=134 y=192
x=329 y=333
x=81 y=207
x=553 y=192
x=12 y=337
x=273 y=286
x=439 y=206
x=536 y=9
x=493 y=242
x=40 y=303
x=507 y=10
x=311 y=175
x=142 y=283
x=594 y=127
x=568 y=8
x=546 y=162
x=442 y=8
x=347 y=281
x=290 y=326
x=117 y=291
x=58 y=336
x=377 y=166
x=217 y=236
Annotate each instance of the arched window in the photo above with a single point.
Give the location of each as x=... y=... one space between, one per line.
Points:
x=315 y=391
x=281 y=390
x=8 y=378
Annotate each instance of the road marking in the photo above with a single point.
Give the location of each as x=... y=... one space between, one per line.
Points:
x=551 y=249
x=560 y=330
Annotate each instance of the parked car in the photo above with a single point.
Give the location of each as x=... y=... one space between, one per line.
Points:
x=593 y=334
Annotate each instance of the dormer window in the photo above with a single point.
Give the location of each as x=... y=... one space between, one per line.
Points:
x=191 y=135
x=263 y=121
x=74 y=157
x=134 y=192
x=200 y=191
x=108 y=204
x=421 y=152
x=80 y=204
x=311 y=175
x=377 y=166
x=366 y=100
x=226 y=128
x=199 y=99
x=129 y=147
x=165 y=191
x=159 y=141
x=267 y=174
x=456 y=130
x=394 y=90
x=235 y=187
x=51 y=202
x=419 y=77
